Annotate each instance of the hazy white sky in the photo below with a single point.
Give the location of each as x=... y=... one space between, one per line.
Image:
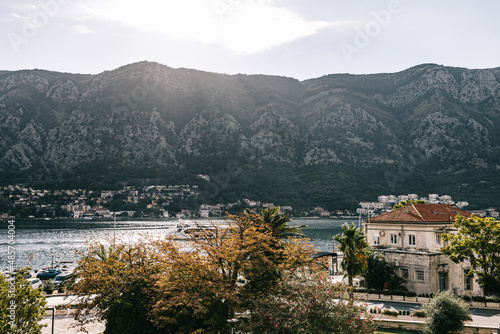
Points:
x=297 y=38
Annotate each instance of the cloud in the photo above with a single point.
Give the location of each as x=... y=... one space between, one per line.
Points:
x=79 y=29
x=241 y=26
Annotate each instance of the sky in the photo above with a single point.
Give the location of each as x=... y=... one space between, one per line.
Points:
x=295 y=38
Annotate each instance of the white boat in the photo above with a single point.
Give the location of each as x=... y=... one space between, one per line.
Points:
x=187 y=229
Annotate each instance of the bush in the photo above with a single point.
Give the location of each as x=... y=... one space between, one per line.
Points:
x=48 y=288
x=445 y=314
x=390 y=312
x=418 y=314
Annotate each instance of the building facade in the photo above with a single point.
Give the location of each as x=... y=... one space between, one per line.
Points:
x=411 y=239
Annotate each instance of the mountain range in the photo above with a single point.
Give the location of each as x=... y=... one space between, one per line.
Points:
x=331 y=141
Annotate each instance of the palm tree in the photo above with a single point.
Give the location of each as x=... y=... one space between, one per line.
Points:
x=279 y=224
x=353 y=244
x=379 y=271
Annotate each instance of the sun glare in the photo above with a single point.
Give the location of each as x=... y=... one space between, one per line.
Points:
x=241 y=26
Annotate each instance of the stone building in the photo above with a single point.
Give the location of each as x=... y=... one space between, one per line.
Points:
x=411 y=238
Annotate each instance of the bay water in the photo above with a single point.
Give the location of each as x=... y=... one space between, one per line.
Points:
x=59 y=240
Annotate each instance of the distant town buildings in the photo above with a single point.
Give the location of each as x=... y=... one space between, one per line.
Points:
x=386 y=202
x=147 y=201
x=160 y=201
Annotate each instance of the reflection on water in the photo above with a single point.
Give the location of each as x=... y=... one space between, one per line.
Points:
x=64 y=237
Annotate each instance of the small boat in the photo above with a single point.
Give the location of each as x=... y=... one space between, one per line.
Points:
x=186 y=230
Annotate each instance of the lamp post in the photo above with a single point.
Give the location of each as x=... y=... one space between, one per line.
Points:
x=52 y=260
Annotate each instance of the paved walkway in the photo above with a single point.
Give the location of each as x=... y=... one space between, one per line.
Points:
x=62 y=324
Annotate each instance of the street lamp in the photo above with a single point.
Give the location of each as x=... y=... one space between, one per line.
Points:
x=52 y=260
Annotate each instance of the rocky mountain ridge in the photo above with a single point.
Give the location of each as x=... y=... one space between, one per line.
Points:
x=424 y=125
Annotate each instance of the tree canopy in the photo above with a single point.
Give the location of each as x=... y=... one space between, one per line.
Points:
x=304 y=302
x=353 y=244
x=402 y=204
x=477 y=241
x=279 y=224
x=380 y=272
x=183 y=287
x=445 y=314
x=21 y=307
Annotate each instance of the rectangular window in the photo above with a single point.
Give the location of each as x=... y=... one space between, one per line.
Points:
x=376 y=239
x=419 y=275
x=467 y=281
x=411 y=240
x=394 y=239
x=438 y=239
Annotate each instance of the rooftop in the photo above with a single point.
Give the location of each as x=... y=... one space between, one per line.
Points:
x=421 y=213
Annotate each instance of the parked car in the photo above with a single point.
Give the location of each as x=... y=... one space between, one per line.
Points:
x=61 y=278
x=48 y=274
x=35 y=283
x=14 y=274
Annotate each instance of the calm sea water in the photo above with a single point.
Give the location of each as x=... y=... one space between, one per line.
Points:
x=62 y=238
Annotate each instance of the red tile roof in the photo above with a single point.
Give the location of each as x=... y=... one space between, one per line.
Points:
x=423 y=213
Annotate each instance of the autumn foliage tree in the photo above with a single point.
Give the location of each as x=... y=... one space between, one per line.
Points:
x=115 y=281
x=224 y=270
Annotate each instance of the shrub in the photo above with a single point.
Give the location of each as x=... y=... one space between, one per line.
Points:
x=445 y=314
x=418 y=314
x=48 y=288
x=390 y=312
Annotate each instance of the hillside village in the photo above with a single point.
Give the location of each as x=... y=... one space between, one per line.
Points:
x=155 y=201
x=172 y=201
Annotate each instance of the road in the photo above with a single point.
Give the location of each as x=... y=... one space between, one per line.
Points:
x=480 y=317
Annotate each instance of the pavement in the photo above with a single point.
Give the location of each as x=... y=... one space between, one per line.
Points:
x=63 y=322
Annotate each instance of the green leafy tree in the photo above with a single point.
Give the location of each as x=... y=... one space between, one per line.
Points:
x=353 y=244
x=445 y=314
x=279 y=224
x=304 y=303
x=4 y=204
x=478 y=241
x=21 y=307
x=380 y=271
x=402 y=204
